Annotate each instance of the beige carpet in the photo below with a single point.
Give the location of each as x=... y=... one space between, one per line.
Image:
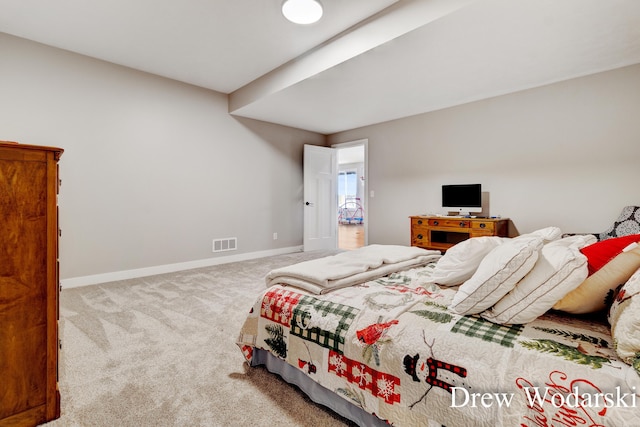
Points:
x=160 y=351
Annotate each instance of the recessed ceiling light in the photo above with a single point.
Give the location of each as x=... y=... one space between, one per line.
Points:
x=302 y=11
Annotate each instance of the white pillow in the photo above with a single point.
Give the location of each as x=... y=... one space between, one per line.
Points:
x=560 y=268
x=547 y=234
x=624 y=317
x=462 y=260
x=497 y=274
x=577 y=241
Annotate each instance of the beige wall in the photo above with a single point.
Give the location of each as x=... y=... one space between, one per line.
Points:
x=153 y=170
x=567 y=154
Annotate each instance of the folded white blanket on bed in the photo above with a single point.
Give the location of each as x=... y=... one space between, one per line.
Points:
x=351 y=267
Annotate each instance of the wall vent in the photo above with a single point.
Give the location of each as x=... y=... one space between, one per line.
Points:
x=228 y=244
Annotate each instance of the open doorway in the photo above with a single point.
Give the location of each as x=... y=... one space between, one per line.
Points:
x=352 y=192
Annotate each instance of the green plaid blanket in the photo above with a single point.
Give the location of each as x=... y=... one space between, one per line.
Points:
x=323 y=322
x=477 y=327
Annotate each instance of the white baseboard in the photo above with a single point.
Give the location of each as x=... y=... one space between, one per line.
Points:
x=76 y=282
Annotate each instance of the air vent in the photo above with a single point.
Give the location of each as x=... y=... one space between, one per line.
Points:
x=228 y=244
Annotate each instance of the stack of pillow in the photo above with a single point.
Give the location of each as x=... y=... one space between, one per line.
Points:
x=611 y=264
x=515 y=280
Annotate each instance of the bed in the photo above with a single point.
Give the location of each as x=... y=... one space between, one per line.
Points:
x=496 y=332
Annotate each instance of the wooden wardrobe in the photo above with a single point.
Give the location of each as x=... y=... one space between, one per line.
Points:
x=29 y=284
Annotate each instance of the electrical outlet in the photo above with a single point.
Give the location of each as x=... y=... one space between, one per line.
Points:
x=275 y=236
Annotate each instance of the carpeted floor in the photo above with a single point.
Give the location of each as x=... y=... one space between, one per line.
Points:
x=160 y=351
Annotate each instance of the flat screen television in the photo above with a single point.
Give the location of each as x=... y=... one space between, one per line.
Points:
x=462 y=198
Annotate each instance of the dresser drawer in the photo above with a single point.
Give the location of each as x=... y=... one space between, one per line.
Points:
x=488 y=226
x=449 y=223
x=419 y=235
x=415 y=222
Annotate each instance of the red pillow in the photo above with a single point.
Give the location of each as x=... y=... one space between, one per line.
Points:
x=600 y=253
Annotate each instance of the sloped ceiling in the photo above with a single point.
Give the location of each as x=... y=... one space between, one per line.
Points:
x=365 y=62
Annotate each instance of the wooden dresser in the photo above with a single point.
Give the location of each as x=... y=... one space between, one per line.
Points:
x=29 y=284
x=442 y=232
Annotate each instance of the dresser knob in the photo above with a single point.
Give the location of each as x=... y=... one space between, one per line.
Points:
x=435 y=222
x=461 y=223
x=419 y=222
x=483 y=225
x=419 y=236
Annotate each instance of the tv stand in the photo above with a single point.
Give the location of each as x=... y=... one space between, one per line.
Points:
x=442 y=232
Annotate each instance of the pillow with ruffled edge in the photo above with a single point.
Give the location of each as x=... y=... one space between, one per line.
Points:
x=560 y=268
x=459 y=263
x=594 y=294
x=497 y=274
x=624 y=317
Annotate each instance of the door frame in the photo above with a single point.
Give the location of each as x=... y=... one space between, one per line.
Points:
x=364 y=142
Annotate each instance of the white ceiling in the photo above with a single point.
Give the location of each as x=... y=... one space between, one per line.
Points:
x=365 y=62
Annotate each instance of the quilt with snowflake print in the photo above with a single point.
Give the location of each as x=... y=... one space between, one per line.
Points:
x=391 y=347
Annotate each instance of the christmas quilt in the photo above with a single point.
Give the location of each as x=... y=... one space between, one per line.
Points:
x=392 y=347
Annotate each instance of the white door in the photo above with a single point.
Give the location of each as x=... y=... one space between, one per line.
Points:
x=320 y=199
